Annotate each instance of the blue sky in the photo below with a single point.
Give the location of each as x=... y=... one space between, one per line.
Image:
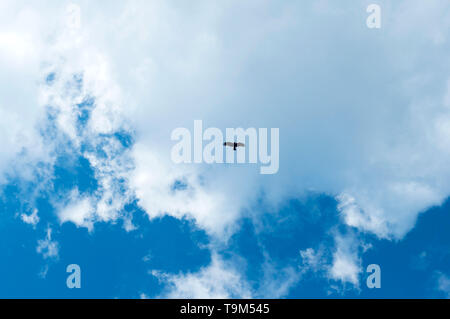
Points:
x=89 y=96
x=116 y=263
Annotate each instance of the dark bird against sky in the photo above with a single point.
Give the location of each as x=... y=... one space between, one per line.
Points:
x=233 y=145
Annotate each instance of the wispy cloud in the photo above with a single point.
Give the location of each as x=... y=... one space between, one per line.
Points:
x=380 y=147
x=31 y=219
x=219 y=279
x=443 y=284
x=48 y=247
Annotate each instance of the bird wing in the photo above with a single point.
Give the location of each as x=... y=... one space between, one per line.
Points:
x=228 y=144
x=240 y=144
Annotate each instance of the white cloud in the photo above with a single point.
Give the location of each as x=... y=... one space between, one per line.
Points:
x=341 y=263
x=401 y=202
x=44 y=271
x=31 y=219
x=444 y=284
x=312 y=260
x=344 y=129
x=340 y=134
x=79 y=210
x=82 y=73
x=218 y=280
x=202 y=200
x=366 y=123
x=346 y=264
x=20 y=52
x=226 y=279
x=276 y=281
x=48 y=247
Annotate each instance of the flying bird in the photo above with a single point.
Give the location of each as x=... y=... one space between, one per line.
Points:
x=234 y=145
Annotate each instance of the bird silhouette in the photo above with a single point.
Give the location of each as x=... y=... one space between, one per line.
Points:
x=233 y=145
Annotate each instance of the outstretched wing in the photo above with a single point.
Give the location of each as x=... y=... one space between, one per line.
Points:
x=228 y=144
x=240 y=144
